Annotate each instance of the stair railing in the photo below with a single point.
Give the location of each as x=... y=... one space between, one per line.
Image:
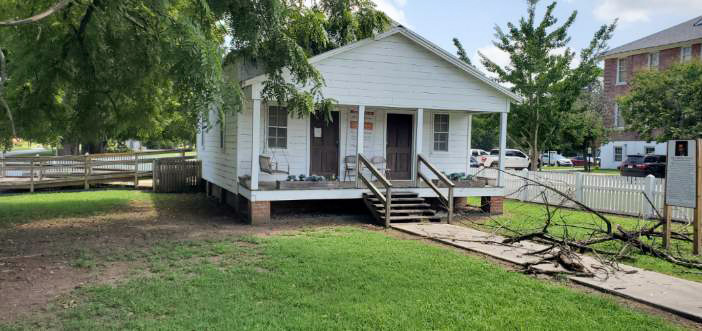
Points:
x=447 y=200
x=385 y=199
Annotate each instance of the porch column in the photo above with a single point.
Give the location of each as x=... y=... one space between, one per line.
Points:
x=469 y=142
x=360 y=128
x=419 y=134
x=255 y=142
x=503 y=146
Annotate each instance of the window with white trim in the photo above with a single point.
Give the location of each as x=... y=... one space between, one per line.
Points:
x=277 y=127
x=618 y=153
x=222 y=131
x=654 y=60
x=618 y=118
x=441 y=132
x=622 y=71
x=686 y=53
x=203 y=128
x=649 y=150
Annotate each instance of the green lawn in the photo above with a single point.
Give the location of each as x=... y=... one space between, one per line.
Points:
x=342 y=278
x=23 y=208
x=528 y=217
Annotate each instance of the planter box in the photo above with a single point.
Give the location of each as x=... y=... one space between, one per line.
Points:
x=289 y=185
x=476 y=182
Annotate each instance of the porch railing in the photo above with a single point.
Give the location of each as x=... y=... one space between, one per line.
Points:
x=446 y=200
x=360 y=177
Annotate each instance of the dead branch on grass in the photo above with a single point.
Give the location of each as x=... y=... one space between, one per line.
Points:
x=607 y=241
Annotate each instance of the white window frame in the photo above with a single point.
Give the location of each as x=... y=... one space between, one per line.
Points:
x=651 y=55
x=269 y=126
x=434 y=132
x=682 y=53
x=222 y=131
x=203 y=129
x=620 y=80
x=618 y=119
x=653 y=150
x=621 y=153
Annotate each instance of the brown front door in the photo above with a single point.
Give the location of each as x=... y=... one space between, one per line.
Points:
x=399 y=146
x=324 y=146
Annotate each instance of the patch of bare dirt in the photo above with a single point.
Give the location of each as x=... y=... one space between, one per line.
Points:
x=38 y=259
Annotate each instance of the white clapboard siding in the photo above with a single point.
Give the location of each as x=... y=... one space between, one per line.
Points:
x=292 y=159
x=396 y=72
x=219 y=164
x=456 y=158
x=612 y=194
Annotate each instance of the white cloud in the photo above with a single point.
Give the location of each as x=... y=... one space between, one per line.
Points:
x=493 y=53
x=501 y=58
x=629 y=11
x=395 y=9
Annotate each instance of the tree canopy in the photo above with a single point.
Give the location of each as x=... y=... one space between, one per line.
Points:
x=99 y=69
x=665 y=105
x=543 y=72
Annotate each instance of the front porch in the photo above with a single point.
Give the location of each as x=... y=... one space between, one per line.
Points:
x=355 y=133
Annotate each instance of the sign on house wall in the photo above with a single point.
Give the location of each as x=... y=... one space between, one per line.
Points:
x=681 y=174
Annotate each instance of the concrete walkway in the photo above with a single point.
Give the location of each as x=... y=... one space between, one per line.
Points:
x=679 y=296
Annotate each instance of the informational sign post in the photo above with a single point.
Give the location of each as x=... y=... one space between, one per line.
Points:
x=681 y=174
x=683 y=186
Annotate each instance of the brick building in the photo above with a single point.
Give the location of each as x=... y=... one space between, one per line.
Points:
x=654 y=52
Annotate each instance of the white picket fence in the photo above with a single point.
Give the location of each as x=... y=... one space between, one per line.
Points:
x=612 y=194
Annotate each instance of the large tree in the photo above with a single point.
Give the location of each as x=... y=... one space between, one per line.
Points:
x=103 y=69
x=664 y=105
x=542 y=71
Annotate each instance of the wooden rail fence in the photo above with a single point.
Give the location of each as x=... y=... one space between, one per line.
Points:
x=34 y=172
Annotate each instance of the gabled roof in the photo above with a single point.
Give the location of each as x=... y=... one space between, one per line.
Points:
x=686 y=31
x=421 y=41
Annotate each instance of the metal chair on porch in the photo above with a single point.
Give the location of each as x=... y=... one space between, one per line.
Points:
x=381 y=164
x=349 y=166
x=270 y=167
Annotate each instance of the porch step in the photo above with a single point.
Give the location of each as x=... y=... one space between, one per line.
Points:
x=417 y=218
x=394 y=199
x=403 y=205
x=408 y=211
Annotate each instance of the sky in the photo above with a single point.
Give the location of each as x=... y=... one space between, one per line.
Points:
x=473 y=21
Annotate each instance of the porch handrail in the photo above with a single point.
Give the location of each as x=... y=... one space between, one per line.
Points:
x=385 y=199
x=447 y=200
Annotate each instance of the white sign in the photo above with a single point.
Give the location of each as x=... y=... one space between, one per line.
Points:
x=318 y=132
x=681 y=174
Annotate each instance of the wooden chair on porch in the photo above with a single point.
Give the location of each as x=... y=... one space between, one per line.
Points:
x=268 y=166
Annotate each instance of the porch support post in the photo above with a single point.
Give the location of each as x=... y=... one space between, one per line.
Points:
x=418 y=134
x=469 y=142
x=503 y=146
x=255 y=142
x=360 y=129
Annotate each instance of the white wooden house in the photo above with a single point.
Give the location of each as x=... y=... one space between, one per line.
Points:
x=411 y=97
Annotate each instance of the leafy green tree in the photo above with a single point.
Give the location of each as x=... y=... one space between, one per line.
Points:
x=461 y=52
x=100 y=70
x=667 y=104
x=540 y=71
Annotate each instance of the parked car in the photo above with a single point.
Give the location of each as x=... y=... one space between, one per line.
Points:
x=643 y=165
x=474 y=162
x=478 y=152
x=579 y=161
x=514 y=159
x=556 y=160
